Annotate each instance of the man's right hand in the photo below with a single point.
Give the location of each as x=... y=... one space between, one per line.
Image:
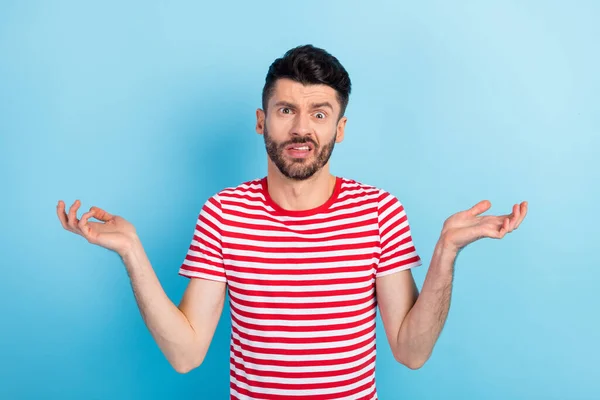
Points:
x=114 y=233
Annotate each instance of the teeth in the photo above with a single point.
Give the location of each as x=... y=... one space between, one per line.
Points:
x=301 y=148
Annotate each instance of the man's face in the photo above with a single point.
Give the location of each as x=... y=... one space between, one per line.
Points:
x=301 y=127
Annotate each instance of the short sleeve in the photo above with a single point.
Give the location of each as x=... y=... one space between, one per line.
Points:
x=397 y=249
x=204 y=258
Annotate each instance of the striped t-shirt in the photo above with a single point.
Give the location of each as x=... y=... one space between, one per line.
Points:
x=301 y=286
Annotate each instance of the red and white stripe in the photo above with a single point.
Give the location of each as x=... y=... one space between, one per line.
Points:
x=301 y=286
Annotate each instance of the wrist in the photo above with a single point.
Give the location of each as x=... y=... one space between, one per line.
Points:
x=446 y=248
x=131 y=248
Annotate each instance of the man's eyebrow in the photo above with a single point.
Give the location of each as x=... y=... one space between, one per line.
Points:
x=321 y=105
x=285 y=104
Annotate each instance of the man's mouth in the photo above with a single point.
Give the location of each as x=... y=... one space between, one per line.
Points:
x=299 y=150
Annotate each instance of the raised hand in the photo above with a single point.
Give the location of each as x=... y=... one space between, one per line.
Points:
x=468 y=226
x=113 y=233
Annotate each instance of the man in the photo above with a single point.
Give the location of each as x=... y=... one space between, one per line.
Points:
x=306 y=257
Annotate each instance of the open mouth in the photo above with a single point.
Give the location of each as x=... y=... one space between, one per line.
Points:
x=299 y=150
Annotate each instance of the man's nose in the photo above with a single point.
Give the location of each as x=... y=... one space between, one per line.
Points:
x=301 y=125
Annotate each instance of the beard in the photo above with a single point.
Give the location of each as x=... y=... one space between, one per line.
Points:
x=298 y=169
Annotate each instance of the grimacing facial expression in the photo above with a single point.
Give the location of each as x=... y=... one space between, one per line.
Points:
x=300 y=130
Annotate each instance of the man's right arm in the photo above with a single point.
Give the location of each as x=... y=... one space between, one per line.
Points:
x=182 y=333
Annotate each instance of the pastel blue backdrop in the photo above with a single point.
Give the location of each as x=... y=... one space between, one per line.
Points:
x=147 y=108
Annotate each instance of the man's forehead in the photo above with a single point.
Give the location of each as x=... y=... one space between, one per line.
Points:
x=289 y=90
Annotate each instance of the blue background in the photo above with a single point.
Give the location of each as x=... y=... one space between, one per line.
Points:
x=148 y=108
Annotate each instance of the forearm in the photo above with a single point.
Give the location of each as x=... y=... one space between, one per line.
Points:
x=168 y=325
x=424 y=322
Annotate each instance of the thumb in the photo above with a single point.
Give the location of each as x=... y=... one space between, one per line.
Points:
x=480 y=207
x=100 y=214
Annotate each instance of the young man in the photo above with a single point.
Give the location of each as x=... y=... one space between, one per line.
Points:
x=306 y=257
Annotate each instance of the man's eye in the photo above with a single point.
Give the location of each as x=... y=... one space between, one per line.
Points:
x=286 y=110
x=320 y=115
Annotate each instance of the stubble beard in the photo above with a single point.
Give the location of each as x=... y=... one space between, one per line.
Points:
x=297 y=169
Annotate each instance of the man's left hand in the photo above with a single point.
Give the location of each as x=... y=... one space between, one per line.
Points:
x=468 y=226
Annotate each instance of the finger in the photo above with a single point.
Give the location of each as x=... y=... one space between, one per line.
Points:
x=62 y=215
x=72 y=218
x=498 y=232
x=101 y=215
x=83 y=224
x=515 y=218
x=498 y=219
x=479 y=208
x=523 y=208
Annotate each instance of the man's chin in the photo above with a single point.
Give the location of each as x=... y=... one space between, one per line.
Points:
x=299 y=175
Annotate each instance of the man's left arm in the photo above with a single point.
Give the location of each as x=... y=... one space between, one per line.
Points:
x=413 y=322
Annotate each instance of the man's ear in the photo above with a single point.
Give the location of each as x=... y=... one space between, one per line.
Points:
x=341 y=125
x=260 y=121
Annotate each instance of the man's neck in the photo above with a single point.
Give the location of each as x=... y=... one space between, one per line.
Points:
x=300 y=195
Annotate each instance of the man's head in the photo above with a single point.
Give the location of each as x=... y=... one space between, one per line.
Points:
x=304 y=99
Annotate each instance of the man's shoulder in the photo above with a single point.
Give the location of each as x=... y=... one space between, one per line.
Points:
x=369 y=193
x=244 y=188
x=360 y=187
